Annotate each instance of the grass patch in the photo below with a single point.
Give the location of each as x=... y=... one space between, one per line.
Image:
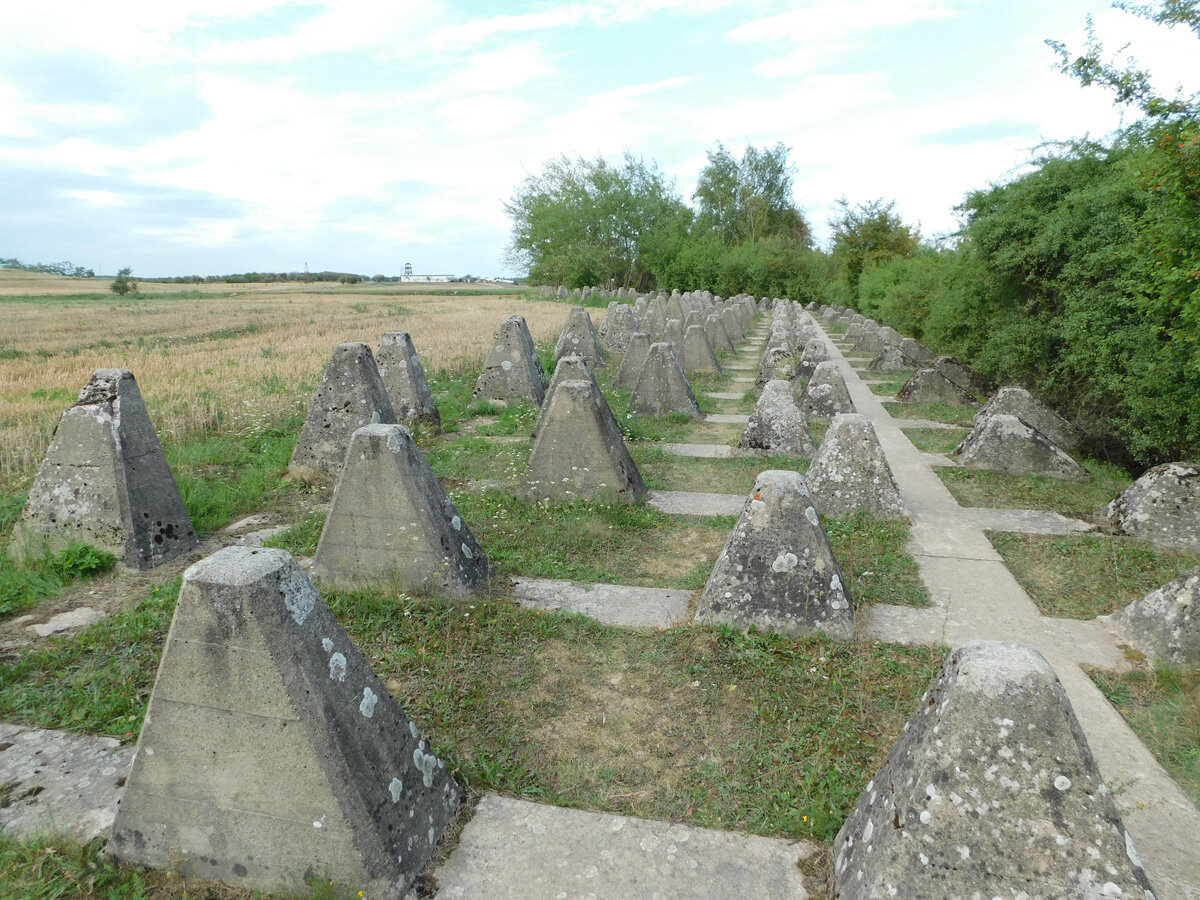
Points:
x=467 y=457
x=22 y=585
x=1163 y=709
x=935 y=440
x=593 y=542
x=1081 y=576
x=663 y=470
x=225 y=475
x=97 y=681
x=873 y=555
x=888 y=383
x=978 y=487
x=950 y=413
x=301 y=539
x=766 y=733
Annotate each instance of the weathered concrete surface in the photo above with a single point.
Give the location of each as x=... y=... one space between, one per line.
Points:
x=814 y=352
x=512 y=372
x=391 y=519
x=727 y=418
x=1165 y=624
x=701 y=451
x=734 y=324
x=889 y=359
x=568 y=368
x=636 y=352
x=931 y=386
x=105 y=482
x=271 y=752
x=1162 y=507
x=618 y=324
x=579 y=338
x=991 y=790
x=918 y=355
x=580 y=451
x=714 y=328
x=404 y=380
x=1003 y=443
x=777 y=425
x=1015 y=401
x=613 y=604
x=698 y=355
x=826 y=394
x=673 y=335
x=850 y=472
x=696 y=503
x=516 y=850
x=777 y=570
x=54 y=782
x=351 y=395
x=79 y=617
x=662 y=389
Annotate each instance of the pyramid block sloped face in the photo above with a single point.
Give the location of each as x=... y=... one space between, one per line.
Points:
x=632 y=362
x=580 y=452
x=579 y=338
x=960 y=373
x=990 y=791
x=1015 y=401
x=917 y=354
x=814 y=352
x=734 y=324
x=391 y=519
x=271 y=752
x=351 y=395
x=1006 y=444
x=889 y=359
x=698 y=355
x=568 y=368
x=1165 y=624
x=1162 y=507
x=662 y=389
x=850 y=472
x=618 y=324
x=403 y=378
x=105 y=482
x=931 y=386
x=512 y=372
x=777 y=570
x=714 y=328
x=777 y=426
x=826 y=394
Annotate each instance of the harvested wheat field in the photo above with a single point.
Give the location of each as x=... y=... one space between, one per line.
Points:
x=234 y=355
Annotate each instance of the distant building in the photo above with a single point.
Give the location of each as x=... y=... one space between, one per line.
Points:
x=409 y=278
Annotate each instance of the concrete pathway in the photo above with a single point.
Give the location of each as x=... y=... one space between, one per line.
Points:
x=976 y=597
x=613 y=604
x=694 y=503
x=727 y=418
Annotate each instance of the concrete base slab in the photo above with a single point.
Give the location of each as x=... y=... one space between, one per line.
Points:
x=740 y=367
x=742 y=379
x=690 y=503
x=80 y=617
x=53 y=782
x=905 y=424
x=1024 y=521
x=701 y=451
x=724 y=395
x=728 y=419
x=613 y=604
x=516 y=849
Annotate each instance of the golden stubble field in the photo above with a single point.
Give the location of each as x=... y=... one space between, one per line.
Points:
x=233 y=355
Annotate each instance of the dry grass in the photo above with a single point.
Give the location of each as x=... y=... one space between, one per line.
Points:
x=235 y=355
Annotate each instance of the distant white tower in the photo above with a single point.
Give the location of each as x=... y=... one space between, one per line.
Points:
x=408 y=268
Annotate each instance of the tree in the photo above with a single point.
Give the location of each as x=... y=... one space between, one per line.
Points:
x=751 y=198
x=869 y=233
x=123 y=284
x=587 y=222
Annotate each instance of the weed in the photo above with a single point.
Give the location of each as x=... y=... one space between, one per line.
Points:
x=302 y=538
x=1084 y=576
x=873 y=556
x=23 y=584
x=935 y=440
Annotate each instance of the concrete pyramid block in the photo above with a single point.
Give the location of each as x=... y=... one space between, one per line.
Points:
x=391 y=519
x=617 y=327
x=850 y=472
x=1162 y=507
x=674 y=335
x=512 y=372
x=580 y=452
x=777 y=570
x=404 y=380
x=1016 y=401
x=814 y=352
x=826 y=394
x=734 y=324
x=105 y=482
x=717 y=335
x=1006 y=444
x=1165 y=624
x=960 y=373
x=931 y=386
x=632 y=362
x=868 y=345
x=271 y=753
x=777 y=426
x=698 y=355
x=579 y=338
x=853 y=333
x=780 y=362
x=351 y=395
x=889 y=359
x=662 y=389
x=918 y=355
x=569 y=368
x=990 y=791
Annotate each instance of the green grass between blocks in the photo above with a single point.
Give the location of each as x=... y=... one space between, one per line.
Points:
x=978 y=487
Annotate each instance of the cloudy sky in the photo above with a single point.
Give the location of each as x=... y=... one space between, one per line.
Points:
x=216 y=136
